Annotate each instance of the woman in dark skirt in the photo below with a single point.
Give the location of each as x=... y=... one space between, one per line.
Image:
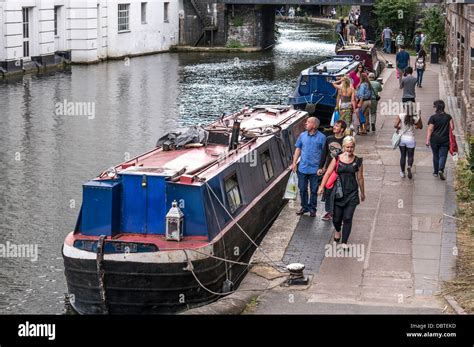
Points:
x=351 y=173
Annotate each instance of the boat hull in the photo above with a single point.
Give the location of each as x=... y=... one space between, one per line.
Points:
x=127 y=287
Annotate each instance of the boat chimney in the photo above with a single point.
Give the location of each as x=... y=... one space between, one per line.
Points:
x=234 y=140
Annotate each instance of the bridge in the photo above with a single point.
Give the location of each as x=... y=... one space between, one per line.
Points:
x=300 y=2
x=247 y=22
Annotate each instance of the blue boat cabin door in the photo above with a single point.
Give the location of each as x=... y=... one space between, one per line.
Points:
x=143 y=210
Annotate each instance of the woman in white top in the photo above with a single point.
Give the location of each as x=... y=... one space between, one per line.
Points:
x=406 y=123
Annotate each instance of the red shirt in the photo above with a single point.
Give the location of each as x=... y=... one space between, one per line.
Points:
x=355 y=79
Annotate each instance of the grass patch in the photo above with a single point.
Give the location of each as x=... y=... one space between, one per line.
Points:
x=238 y=21
x=251 y=306
x=234 y=44
x=462 y=286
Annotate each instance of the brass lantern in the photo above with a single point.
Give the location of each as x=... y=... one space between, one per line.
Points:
x=174 y=223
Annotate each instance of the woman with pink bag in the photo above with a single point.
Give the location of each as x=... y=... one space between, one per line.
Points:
x=349 y=170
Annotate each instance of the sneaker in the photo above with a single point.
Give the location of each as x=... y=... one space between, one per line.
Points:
x=402 y=174
x=435 y=175
x=410 y=176
x=326 y=217
x=441 y=175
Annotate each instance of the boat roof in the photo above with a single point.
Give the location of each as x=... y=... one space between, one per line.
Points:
x=367 y=47
x=196 y=162
x=335 y=66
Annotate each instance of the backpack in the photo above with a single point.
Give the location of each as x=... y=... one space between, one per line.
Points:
x=420 y=63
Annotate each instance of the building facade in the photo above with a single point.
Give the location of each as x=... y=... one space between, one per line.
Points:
x=90 y=30
x=460 y=57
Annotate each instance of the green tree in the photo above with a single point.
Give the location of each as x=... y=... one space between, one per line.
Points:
x=433 y=27
x=388 y=12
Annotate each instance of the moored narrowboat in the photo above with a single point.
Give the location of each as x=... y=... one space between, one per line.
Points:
x=366 y=53
x=175 y=227
x=314 y=91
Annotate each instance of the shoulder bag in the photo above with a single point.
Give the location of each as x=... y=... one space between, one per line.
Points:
x=332 y=179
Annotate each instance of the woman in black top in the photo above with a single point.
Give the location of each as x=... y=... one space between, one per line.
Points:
x=351 y=172
x=437 y=136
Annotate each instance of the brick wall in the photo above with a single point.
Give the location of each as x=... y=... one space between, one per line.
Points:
x=460 y=41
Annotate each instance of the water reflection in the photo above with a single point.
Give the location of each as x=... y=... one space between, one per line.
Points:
x=46 y=156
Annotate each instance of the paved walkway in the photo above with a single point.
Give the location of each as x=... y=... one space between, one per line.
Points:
x=403 y=231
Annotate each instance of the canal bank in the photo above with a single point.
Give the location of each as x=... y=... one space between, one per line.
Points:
x=405 y=232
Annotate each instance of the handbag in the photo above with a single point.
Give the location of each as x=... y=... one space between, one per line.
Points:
x=355 y=120
x=362 y=117
x=332 y=179
x=453 y=145
x=396 y=138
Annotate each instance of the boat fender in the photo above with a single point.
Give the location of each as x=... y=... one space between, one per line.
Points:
x=227 y=286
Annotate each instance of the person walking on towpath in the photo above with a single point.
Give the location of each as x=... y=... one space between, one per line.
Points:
x=364 y=98
x=400 y=40
x=387 y=40
x=332 y=148
x=420 y=65
x=350 y=170
x=345 y=101
x=417 y=41
x=406 y=123
x=437 y=136
x=402 y=59
x=309 y=147
x=408 y=84
x=376 y=89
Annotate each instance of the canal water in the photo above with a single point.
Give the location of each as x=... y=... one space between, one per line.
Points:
x=48 y=148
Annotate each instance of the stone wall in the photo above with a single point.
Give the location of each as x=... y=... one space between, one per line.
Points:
x=240 y=25
x=252 y=26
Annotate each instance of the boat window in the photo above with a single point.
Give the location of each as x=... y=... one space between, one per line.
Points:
x=267 y=165
x=304 y=80
x=304 y=85
x=233 y=193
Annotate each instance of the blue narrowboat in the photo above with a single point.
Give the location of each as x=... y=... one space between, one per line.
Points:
x=175 y=227
x=314 y=91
